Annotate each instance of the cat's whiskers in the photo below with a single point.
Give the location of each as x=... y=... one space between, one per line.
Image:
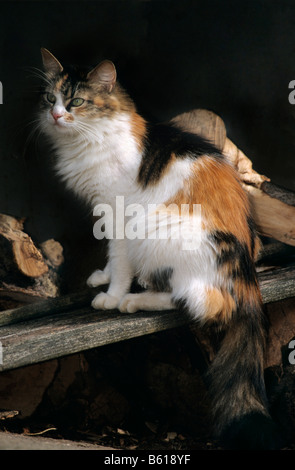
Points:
x=35 y=133
x=88 y=130
x=76 y=128
x=39 y=74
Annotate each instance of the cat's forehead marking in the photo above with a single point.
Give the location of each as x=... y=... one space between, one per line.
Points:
x=59 y=84
x=67 y=86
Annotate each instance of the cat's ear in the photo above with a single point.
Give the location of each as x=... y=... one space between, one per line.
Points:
x=105 y=74
x=51 y=65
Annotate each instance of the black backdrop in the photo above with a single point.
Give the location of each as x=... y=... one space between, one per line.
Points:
x=233 y=57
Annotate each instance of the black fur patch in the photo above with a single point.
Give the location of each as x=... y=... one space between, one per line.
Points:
x=234 y=251
x=160 y=279
x=163 y=140
x=74 y=78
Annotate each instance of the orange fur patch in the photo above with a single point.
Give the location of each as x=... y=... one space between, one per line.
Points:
x=247 y=293
x=68 y=117
x=219 y=305
x=81 y=111
x=138 y=129
x=214 y=184
x=98 y=101
x=257 y=248
x=225 y=208
x=60 y=82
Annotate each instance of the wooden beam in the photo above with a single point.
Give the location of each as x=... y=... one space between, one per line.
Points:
x=67 y=333
x=67 y=325
x=47 y=307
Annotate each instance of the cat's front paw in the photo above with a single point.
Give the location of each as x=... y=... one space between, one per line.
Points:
x=98 y=278
x=104 y=301
x=129 y=304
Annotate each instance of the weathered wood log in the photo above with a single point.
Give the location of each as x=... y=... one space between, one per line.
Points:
x=27 y=273
x=8 y=414
x=18 y=252
x=276 y=284
x=273 y=207
x=62 y=334
x=67 y=325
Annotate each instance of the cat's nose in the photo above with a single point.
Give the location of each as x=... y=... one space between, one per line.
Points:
x=57 y=115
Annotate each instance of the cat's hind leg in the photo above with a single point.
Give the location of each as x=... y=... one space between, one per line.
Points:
x=202 y=302
x=148 y=300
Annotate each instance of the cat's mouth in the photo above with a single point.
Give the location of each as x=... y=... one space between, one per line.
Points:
x=60 y=125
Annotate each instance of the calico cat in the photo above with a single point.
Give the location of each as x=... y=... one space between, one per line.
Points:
x=105 y=149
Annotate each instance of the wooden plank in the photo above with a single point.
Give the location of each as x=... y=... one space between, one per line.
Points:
x=67 y=333
x=69 y=325
x=47 y=307
x=276 y=284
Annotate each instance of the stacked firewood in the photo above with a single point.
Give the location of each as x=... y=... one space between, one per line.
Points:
x=27 y=273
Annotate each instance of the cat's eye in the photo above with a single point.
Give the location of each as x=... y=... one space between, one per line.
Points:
x=77 y=102
x=51 y=98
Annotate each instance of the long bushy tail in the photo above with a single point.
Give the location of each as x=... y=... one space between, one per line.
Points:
x=236 y=382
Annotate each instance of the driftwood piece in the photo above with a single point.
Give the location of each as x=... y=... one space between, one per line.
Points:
x=67 y=325
x=8 y=414
x=18 y=252
x=273 y=207
x=27 y=273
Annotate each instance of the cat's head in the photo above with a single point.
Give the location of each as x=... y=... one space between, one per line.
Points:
x=74 y=99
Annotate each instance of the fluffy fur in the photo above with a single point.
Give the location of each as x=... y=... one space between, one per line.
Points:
x=104 y=149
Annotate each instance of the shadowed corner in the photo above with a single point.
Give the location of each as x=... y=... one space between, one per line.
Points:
x=253 y=431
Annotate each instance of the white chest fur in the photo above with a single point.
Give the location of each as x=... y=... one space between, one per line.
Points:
x=102 y=164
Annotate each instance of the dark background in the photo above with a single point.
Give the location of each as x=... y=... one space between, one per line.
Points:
x=235 y=58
